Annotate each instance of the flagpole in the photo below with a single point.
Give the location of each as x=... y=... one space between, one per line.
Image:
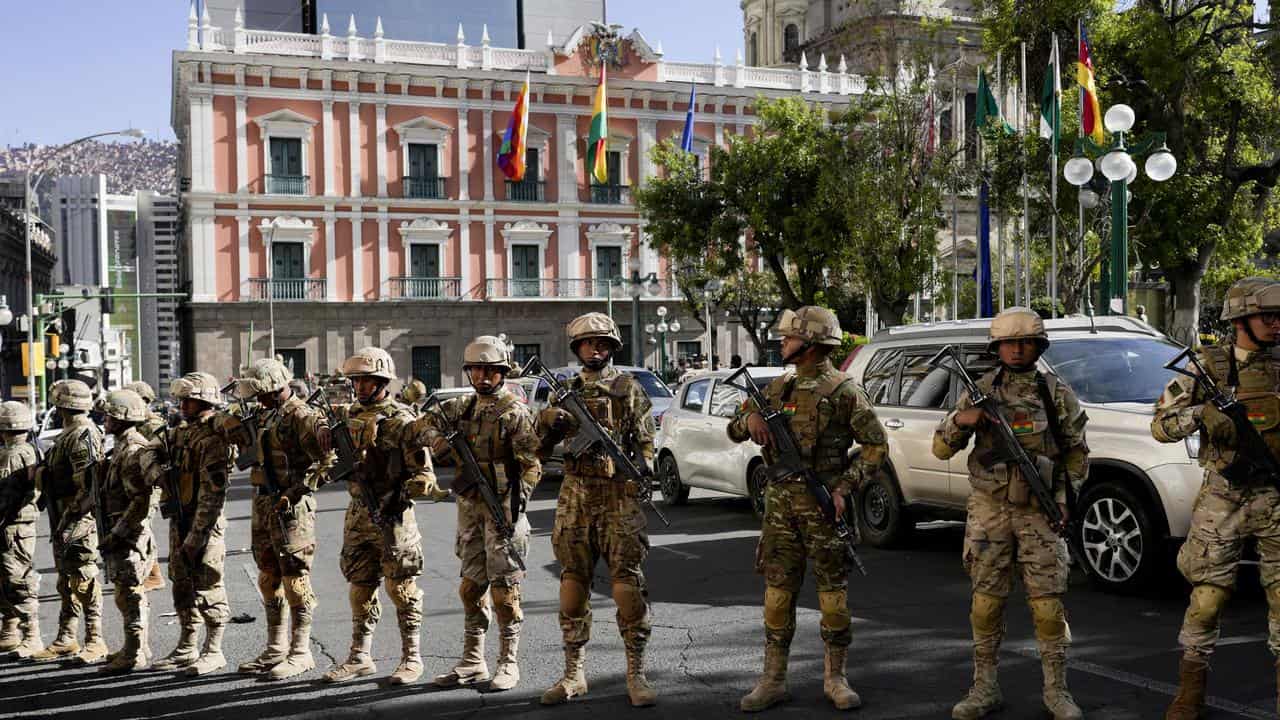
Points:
x=1026 y=215
x=977 y=238
x=1053 y=185
x=957 y=130
x=1000 y=248
x=1087 y=295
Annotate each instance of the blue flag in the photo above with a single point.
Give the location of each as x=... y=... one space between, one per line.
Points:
x=986 y=304
x=686 y=140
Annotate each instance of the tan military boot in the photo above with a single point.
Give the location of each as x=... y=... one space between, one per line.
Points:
x=471 y=668
x=359 y=662
x=771 y=688
x=508 y=673
x=639 y=690
x=154 y=579
x=984 y=697
x=63 y=646
x=277 y=641
x=834 y=683
x=185 y=652
x=10 y=635
x=410 y=667
x=574 y=682
x=299 y=659
x=30 y=638
x=95 y=648
x=1057 y=699
x=131 y=657
x=211 y=657
x=1188 y=704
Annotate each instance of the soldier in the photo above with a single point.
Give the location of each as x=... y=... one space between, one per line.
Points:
x=381 y=542
x=598 y=515
x=151 y=428
x=499 y=430
x=199 y=456
x=293 y=447
x=64 y=483
x=412 y=394
x=1005 y=528
x=828 y=413
x=19 y=579
x=125 y=506
x=1232 y=506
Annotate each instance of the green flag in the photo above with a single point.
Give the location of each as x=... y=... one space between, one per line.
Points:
x=988 y=109
x=1051 y=100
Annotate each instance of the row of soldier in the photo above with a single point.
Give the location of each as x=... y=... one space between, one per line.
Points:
x=288 y=445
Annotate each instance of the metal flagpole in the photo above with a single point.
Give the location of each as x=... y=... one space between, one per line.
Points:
x=1053 y=189
x=957 y=131
x=1026 y=215
x=977 y=238
x=1000 y=249
x=1087 y=295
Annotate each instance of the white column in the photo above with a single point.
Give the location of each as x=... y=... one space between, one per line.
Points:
x=203 y=280
x=490 y=257
x=353 y=157
x=567 y=242
x=486 y=141
x=326 y=128
x=464 y=149
x=357 y=257
x=464 y=252
x=330 y=258
x=243 y=223
x=380 y=152
x=567 y=153
x=648 y=255
x=648 y=138
x=720 y=134
x=201 y=142
x=242 y=145
x=384 y=256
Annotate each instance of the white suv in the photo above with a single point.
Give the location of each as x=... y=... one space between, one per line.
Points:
x=1137 y=501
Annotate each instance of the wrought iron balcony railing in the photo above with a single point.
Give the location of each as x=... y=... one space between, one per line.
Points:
x=286 y=289
x=439 y=288
x=288 y=184
x=431 y=188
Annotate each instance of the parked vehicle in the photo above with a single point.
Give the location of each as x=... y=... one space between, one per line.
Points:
x=693 y=446
x=513 y=385
x=1138 y=498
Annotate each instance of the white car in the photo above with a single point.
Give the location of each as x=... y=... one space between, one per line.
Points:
x=693 y=446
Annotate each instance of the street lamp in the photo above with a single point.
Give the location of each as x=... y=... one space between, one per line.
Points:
x=26 y=233
x=6 y=317
x=1117 y=164
x=709 y=292
x=638 y=285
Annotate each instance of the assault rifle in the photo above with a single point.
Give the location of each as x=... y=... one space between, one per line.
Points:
x=173 y=485
x=246 y=452
x=1254 y=459
x=470 y=475
x=591 y=437
x=345 y=450
x=789 y=462
x=97 y=489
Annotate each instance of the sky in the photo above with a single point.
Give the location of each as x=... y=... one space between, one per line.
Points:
x=77 y=67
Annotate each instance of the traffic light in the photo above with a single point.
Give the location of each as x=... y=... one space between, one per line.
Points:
x=107 y=302
x=53 y=331
x=26 y=359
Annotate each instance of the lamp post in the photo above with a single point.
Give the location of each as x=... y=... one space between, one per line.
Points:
x=637 y=286
x=26 y=235
x=1118 y=166
x=709 y=292
x=6 y=317
x=661 y=328
x=271 y=288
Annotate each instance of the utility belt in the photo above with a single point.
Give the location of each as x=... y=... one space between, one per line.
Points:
x=590 y=465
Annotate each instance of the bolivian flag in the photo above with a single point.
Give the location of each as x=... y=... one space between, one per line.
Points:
x=1091 y=109
x=597 y=141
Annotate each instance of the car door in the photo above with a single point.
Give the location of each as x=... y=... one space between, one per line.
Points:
x=728 y=471
x=909 y=417
x=692 y=434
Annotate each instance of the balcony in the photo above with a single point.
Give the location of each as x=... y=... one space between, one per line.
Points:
x=286 y=289
x=430 y=188
x=527 y=191
x=430 y=288
x=611 y=194
x=565 y=289
x=288 y=184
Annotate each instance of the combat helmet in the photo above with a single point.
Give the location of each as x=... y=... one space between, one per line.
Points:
x=1250 y=296
x=200 y=386
x=125 y=405
x=592 y=325
x=144 y=391
x=488 y=351
x=413 y=392
x=265 y=375
x=71 y=395
x=1017 y=323
x=370 y=362
x=14 y=417
x=814 y=324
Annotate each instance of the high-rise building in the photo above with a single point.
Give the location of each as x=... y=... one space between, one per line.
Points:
x=159 y=336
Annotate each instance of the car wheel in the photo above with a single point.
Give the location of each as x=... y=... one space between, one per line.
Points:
x=674 y=492
x=757 y=483
x=1118 y=541
x=882 y=519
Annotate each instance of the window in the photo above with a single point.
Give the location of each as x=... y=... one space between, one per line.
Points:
x=295 y=360
x=695 y=396
x=753 y=52
x=424 y=271
x=725 y=400
x=532 y=168
x=687 y=349
x=530 y=189
x=288 y=272
x=523 y=353
x=424 y=179
x=791 y=43
x=924 y=386
x=611 y=192
x=426 y=365
x=525 y=271
x=881 y=376
x=608 y=267
x=286 y=176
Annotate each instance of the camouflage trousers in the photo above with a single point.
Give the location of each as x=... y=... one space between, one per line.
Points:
x=197 y=582
x=75 y=555
x=1000 y=537
x=284 y=546
x=392 y=551
x=600 y=518
x=127 y=565
x=487 y=565
x=796 y=532
x=19 y=580
x=1223 y=520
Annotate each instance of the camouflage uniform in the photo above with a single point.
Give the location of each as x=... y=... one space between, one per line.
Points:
x=599 y=516
x=1228 y=512
x=150 y=430
x=129 y=548
x=828 y=413
x=62 y=481
x=284 y=540
x=392 y=470
x=499 y=430
x=19 y=579
x=1005 y=528
x=197 y=456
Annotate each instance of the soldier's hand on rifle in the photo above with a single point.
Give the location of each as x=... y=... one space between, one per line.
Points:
x=324 y=439
x=283 y=504
x=759 y=429
x=1220 y=428
x=970 y=417
x=839 y=502
x=556 y=420
x=1066 y=517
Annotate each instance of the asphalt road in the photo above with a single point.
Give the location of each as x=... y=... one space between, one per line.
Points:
x=910 y=656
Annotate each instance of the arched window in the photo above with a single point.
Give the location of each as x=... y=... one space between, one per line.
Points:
x=753 y=58
x=791 y=43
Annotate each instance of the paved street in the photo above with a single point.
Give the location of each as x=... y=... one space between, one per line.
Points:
x=910 y=657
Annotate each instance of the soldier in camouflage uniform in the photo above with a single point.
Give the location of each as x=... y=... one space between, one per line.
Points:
x=1005 y=529
x=150 y=429
x=828 y=412
x=1232 y=506
x=197 y=456
x=62 y=481
x=293 y=447
x=598 y=515
x=128 y=547
x=499 y=429
x=19 y=579
x=382 y=543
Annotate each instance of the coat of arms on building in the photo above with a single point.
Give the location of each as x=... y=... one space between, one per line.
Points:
x=602 y=44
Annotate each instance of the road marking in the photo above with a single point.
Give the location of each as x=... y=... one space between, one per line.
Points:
x=666 y=540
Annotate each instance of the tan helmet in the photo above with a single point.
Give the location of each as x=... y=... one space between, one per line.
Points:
x=812 y=323
x=200 y=386
x=14 y=416
x=144 y=391
x=1250 y=296
x=487 y=350
x=1017 y=323
x=71 y=395
x=372 y=362
x=593 y=325
x=265 y=375
x=414 y=392
x=125 y=405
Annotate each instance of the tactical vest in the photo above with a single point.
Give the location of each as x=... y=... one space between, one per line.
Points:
x=606 y=400
x=280 y=447
x=58 y=477
x=1255 y=385
x=481 y=425
x=116 y=487
x=818 y=420
x=378 y=463
x=1028 y=415
x=17 y=467
x=193 y=443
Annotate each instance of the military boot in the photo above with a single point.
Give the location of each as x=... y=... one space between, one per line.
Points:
x=299 y=659
x=410 y=667
x=10 y=635
x=185 y=652
x=359 y=661
x=1188 y=704
x=63 y=646
x=573 y=683
x=508 y=673
x=30 y=637
x=771 y=688
x=277 y=641
x=95 y=648
x=471 y=668
x=1057 y=699
x=834 y=683
x=984 y=697
x=639 y=690
x=211 y=657
x=131 y=657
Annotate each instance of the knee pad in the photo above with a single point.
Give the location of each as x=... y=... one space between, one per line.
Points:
x=986 y=613
x=1206 y=604
x=506 y=603
x=779 y=612
x=472 y=595
x=835 y=609
x=270 y=587
x=298 y=592
x=573 y=596
x=404 y=593
x=1050 y=618
x=630 y=600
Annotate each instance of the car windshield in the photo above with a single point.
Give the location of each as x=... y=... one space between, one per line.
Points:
x=653 y=387
x=1112 y=370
